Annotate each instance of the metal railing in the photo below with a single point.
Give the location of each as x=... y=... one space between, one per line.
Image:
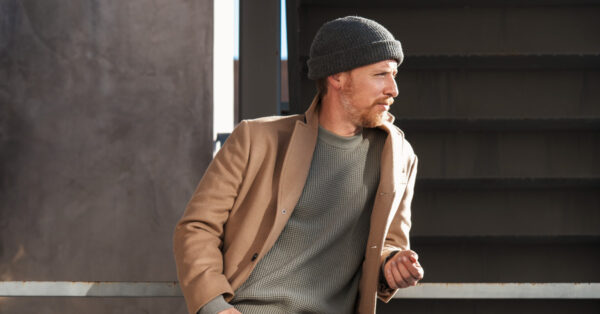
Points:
x=421 y=291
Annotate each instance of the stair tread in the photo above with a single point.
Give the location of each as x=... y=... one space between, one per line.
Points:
x=501 y=123
x=511 y=182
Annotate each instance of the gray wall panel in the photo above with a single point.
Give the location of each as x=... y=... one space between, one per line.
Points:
x=106 y=129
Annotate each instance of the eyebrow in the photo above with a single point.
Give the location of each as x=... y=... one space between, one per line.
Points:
x=386 y=70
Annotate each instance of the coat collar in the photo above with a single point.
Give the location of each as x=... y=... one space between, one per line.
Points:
x=311 y=116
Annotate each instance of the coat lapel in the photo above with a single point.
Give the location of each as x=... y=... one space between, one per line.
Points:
x=392 y=182
x=387 y=200
x=296 y=165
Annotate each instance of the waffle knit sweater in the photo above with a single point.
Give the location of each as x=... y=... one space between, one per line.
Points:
x=314 y=266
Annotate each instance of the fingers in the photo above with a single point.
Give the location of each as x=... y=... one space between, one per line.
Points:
x=411 y=254
x=389 y=277
x=402 y=276
x=407 y=269
x=393 y=277
x=411 y=261
x=414 y=268
x=403 y=270
x=397 y=276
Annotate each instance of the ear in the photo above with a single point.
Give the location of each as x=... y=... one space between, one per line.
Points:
x=336 y=81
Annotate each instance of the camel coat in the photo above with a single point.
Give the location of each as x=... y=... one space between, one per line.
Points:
x=249 y=191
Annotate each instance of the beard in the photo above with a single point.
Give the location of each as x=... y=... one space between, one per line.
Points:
x=368 y=117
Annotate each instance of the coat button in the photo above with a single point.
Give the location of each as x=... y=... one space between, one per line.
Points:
x=283 y=211
x=254 y=257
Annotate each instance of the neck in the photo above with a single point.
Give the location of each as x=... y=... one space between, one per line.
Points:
x=334 y=118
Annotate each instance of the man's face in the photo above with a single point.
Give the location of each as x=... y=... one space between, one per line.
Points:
x=368 y=92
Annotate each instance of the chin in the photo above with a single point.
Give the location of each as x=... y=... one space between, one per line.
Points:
x=372 y=120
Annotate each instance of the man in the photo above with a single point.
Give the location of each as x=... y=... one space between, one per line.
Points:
x=309 y=213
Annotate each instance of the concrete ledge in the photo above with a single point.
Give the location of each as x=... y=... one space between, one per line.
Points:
x=501 y=291
x=88 y=289
x=421 y=291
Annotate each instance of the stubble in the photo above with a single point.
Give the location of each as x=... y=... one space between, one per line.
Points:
x=368 y=117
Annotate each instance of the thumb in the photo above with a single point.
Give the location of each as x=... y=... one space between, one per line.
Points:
x=413 y=256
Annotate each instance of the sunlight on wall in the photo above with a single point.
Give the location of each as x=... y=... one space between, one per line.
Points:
x=224 y=36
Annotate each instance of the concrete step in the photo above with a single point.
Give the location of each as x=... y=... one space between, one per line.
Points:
x=507 y=61
x=481 y=93
x=487 y=183
x=488 y=28
x=499 y=124
x=555 y=210
x=507 y=154
x=509 y=259
x=398 y=4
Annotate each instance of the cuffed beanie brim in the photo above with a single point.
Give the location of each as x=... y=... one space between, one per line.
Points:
x=346 y=60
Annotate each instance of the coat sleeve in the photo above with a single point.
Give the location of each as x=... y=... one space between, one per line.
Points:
x=198 y=236
x=397 y=237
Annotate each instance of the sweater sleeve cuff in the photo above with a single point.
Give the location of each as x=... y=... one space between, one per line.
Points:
x=215 y=306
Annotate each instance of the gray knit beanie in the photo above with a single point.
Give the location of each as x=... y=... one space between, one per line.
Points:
x=350 y=42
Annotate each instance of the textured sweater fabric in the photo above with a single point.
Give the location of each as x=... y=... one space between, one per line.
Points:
x=314 y=267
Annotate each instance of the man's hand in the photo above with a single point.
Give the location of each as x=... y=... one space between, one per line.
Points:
x=230 y=310
x=403 y=270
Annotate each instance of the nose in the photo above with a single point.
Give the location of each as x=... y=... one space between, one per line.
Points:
x=391 y=88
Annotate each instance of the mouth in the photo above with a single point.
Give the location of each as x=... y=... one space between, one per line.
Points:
x=383 y=106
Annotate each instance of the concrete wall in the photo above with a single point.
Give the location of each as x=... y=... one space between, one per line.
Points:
x=105 y=129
